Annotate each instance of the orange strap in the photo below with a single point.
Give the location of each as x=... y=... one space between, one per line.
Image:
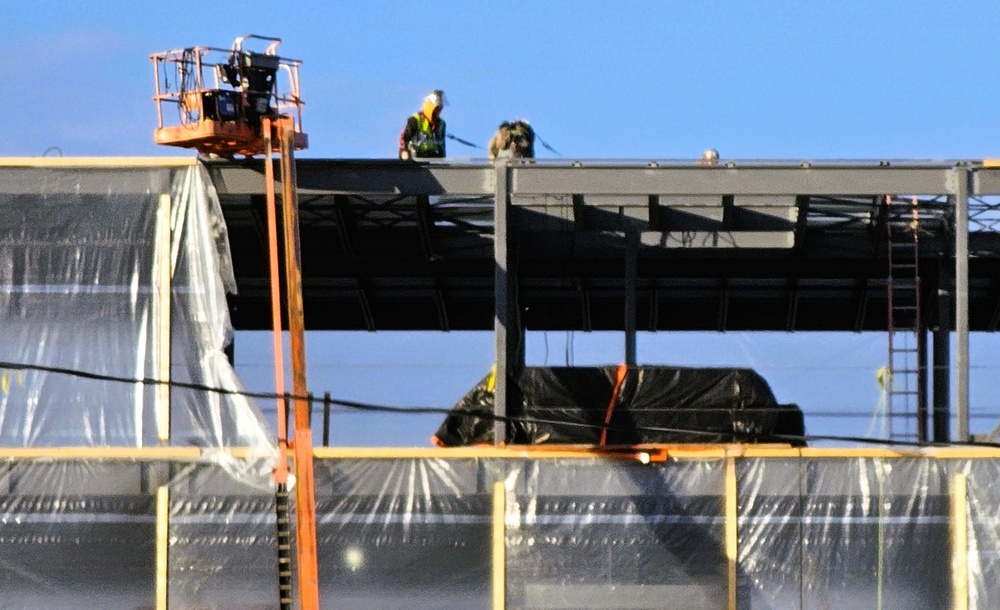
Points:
x=619 y=379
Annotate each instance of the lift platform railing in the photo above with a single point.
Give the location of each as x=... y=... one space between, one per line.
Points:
x=221 y=95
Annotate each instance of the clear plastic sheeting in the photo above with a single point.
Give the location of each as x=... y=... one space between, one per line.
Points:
x=83 y=305
x=615 y=534
x=82 y=268
x=983 y=532
x=200 y=325
x=846 y=533
x=77 y=534
x=408 y=533
x=223 y=541
x=590 y=532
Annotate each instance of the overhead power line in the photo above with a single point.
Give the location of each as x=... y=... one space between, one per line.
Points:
x=375 y=408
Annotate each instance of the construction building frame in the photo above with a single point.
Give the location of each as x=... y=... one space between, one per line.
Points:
x=588 y=245
x=628 y=246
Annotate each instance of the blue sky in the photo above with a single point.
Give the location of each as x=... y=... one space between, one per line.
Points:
x=846 y=79
x=854 y=79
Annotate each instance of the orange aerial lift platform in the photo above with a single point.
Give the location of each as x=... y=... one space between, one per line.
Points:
x=214 y=100
x=228 y=103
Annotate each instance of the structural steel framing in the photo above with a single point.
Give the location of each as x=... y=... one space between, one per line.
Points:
x=603 y=245
x=488 y=246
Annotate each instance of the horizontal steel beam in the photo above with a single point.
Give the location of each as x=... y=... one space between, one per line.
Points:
x=718 y=239
x=391 y=177
x=986 y=182
x=794 y=180
x=320 y=176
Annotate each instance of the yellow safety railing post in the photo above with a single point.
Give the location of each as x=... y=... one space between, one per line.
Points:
x=499 y=546
x=732 y=530
x=162 y=280
x=959 y=542
x=162 y=546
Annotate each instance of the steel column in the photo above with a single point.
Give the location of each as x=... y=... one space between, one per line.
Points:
x=922 y=435
x=942 y=355
x=506 y=323
x=631 y=264
x=961 y=209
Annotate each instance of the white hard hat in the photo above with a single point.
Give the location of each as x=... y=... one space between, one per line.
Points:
x=436 y=97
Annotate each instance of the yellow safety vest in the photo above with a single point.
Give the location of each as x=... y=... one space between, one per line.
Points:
x=427 y=142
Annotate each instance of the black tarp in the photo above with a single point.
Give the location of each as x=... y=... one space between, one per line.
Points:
x=617 y=405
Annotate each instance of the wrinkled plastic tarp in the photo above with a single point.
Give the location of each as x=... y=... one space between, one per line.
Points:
x=76 y=534
x=847 y=533
x=615 y=534
x=652 y=404
x=580 y=533
x=78 y=262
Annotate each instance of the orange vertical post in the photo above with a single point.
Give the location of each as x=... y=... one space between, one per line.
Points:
x=281 y=468
x=305 y=496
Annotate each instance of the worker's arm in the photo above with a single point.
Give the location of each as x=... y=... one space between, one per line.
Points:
x=493 y=146
x=404 y=138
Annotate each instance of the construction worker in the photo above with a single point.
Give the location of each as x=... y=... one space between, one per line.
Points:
x=513 y=140
x=424 y=133
x=709 y=157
